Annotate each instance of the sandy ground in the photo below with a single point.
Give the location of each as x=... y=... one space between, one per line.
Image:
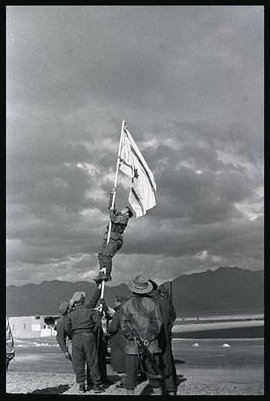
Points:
x=204 y=367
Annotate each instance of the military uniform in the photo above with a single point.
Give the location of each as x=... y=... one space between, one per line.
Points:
x=164 y=339
x=63 y=340
x=119 y=222
x=101 y=346
x=83 y=324
x=144 y=314
x=117 y=348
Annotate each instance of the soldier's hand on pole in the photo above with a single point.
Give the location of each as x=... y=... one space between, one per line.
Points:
x=71 y=304
x=112 y=194
x=100 y=309
x=67 y=355
x=104 y=306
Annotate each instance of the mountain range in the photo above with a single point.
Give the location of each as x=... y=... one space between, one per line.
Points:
x=226 y=290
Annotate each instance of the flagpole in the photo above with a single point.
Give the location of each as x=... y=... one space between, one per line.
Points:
x=113 y=199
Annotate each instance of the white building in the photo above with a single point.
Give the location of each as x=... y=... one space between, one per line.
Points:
x=31 y=326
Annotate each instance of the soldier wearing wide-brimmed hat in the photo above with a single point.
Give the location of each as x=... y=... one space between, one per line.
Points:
x=145 y=316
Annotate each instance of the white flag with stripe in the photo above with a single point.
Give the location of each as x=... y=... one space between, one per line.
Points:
x=132 y=163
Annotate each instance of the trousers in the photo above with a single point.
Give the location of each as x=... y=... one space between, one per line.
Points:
x=84 y=350
x=106 y=253
x=88 y=376
x=131 y=368
x=102 y=366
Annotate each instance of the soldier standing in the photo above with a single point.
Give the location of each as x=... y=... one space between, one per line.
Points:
x=83 y=325
x=117 y=339
x=164 y=338
x=143 y=313
x=62 y=338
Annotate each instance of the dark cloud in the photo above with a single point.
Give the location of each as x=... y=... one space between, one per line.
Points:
x=188 y=81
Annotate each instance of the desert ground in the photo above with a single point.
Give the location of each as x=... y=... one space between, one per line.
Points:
x=206 y=365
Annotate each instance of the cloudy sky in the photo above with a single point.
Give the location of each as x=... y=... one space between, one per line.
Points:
x=189 y=83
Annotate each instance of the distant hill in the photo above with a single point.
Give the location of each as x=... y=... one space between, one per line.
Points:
x=224 y=290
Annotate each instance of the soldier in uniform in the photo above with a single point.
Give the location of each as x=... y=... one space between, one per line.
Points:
x=144 y=314
x=83 y=324
x=119 y=220
x=64 y=341
x=164 y=338
x=117 y=339
x=101 y=339
x=166 y=293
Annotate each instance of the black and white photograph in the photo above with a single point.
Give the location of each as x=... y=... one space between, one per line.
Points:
x=135 y=200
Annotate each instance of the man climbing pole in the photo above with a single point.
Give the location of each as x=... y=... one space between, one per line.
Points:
x=119 y=221
x=141 y=198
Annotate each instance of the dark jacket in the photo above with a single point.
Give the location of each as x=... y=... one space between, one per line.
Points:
x=62 y=337
x=164 y=339
x=119 y=222
x=167 y=311
x=92 y=303
x=80 y=319
x=117 y=344
x=144 y=314
x=83 y=317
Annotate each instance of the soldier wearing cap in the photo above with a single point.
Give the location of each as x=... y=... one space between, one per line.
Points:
x=83 y=324
x=63 y=339
x=145 y=316
x=119 y=221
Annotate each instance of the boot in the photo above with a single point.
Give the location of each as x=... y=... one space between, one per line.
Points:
x=102 y=276
x=82 y=387
x=98 y=388
x=107 y=277
x=89 y=386
x=108 y=382
x=157 y=390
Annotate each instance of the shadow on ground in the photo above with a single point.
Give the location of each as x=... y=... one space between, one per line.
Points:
x=179 y=361
x=112 y=379
x=147 y=390
x=180 y=380
x=52 y=390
